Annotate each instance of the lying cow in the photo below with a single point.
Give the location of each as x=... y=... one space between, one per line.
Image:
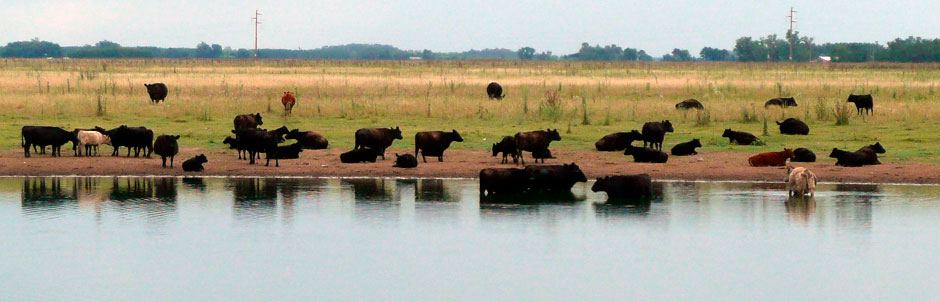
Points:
x=310 y=140
x=690 y=104
x=793 y=126
x=405 y=161
x=361 y=155
x=803 y=155
x=645 y=155
x=781 y=102
x=617 y=141
x=771 y=159
x=686 y=148
x=740 y=138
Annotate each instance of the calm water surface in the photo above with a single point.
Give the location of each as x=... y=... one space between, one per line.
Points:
x=246 y=239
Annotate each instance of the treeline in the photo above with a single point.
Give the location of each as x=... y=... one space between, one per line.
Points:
x=769 y=48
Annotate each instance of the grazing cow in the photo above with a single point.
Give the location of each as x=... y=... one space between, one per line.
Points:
x=863 y=102
x=690 y=104
x=849 y=159
x=248 y=121
x=617 y=141
x=800 y=181
x=781 y=102
x=740 y=138
x=257 y=141
x=655 y=132
x=309 y=139
x=871 y=152
x=625 y=186
x=686 y=148
x=803 y=155
x=288 y=101
x=233 y=144
x=793 y=126
x=503 y=181
x=646 y=155
x=89 y=140
x=166 y=146
x=495 y=91
x=377 y=138
x=405 y=161
x=195 y=164
x=554 y=177
x=433 y=143
x=47 y=136
x=291 y=151
x=157 y=92
x=542 y=154
x=508 y=147
x=771 y=159
x=535 y=140
x=359 y=156
x=131 y=137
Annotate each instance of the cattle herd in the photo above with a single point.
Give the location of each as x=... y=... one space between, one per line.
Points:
x=251 y=141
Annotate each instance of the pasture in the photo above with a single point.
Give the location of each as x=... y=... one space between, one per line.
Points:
x=584 y=101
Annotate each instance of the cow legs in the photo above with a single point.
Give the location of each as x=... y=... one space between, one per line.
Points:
x=440 y=158
x=164 y=161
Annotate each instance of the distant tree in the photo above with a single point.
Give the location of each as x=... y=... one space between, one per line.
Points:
x=678 y=55
x=715 y=54
x=526 y=53
x=203 y=50
x=427 y=54
x=642 y=56
x=242 y=53
x=630 y=54
x=32 y=49
x=106 y=43
x=216 y=51
x=545 y=56
x=748 y=50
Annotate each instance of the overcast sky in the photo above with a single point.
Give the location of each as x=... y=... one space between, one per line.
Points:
x=657 y=26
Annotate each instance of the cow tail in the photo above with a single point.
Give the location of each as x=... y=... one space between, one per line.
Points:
x=750 y=161
x=22 y=140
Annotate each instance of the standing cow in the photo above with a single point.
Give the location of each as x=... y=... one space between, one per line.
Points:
x=800 y=181
x=508 y=147
x=288 y=101
x=863 y=102
x=137 y=138
x=157 y=92
x=377 y=138
x=47 y=136
x=248 y=121
x=495 y=91
x=655 y=132
x=166 y=146
x=534 y=141
x=90 y=140
x=433 y=143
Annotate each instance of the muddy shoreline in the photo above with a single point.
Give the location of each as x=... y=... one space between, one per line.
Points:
x=706 y=166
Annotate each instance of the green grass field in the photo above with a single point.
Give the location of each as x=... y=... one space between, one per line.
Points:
x=583 y=100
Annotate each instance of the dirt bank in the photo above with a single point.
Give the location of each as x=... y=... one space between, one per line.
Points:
x=463 y=163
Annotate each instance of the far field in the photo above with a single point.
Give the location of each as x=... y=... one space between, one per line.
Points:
x=583 y=100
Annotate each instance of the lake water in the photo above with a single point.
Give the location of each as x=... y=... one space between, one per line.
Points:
x=248 y=239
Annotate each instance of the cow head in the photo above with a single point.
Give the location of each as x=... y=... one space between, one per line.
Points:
x=280 y=133
x=553 y=134
x=788 y=153
x=836 y=153
x=202 y=158
x=257 y=117
x=574 y=173
x=629 y=150
x=668 y=126
x=455 y=136
x=229 y=141
x=600 y=184
x=790 y=102
x=396 y=133
x=878 y=148
x=727 y=133
x=636 y=135
x=696 y=143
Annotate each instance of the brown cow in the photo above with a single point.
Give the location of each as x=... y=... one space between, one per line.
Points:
x=248 y=121
x=771 y=158
x=535 y=141
x=288 y=101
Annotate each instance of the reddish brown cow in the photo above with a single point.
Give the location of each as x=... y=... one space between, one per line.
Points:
x=771 y=158
x=288 y=101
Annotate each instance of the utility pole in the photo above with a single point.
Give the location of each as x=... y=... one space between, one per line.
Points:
x=790 y=33
x=255 y=18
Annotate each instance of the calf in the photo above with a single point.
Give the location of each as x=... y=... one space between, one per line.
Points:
x=655 y=132
x=508 y=147
x=139 y=138
x=554 y=177
x=535 y=140
x=157 y=92
x=690 y=104
x=686 y=148
x=771 y=159
x=195 y=164
x=377 y=138
x=862 y=102
x=625 y=186
x=542 y=154
x=46 y=136
x=288 y=101
x=645 y=155
x=405 y=161
x=234 y=144
x=503 y=181
x=793 y=126
x=256 y=141
x=291 y=151
x=848 y=159
x=359 y=156
x=89 y=140
x=781 y=102
x=495 y=91
x=870 y=153
x=166 y=146
x=309 y=139
x=800 y=181
x=617 y=141
x=803 y=155
x=433 y=143
x=247 y=121
x=740 y=138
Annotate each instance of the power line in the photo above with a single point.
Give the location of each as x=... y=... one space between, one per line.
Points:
x=255 y=19
x=790 y=33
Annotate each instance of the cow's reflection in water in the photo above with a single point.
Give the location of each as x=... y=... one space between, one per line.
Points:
x=254 y=198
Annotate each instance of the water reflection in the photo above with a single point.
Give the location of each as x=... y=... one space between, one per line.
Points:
x=254 y=198
x=800 y=208
x=195 y=183
x=45 y=192
x=369 y=189
x=429 y=190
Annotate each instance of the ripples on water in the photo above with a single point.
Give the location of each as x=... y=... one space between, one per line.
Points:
x=129 y=238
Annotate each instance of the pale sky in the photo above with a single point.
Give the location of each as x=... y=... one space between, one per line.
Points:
x=558 y=26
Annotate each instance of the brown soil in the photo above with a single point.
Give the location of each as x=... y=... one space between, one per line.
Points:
x=464 y=164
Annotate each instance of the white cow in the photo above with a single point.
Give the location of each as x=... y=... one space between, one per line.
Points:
x=91 y=139
x=801 y=181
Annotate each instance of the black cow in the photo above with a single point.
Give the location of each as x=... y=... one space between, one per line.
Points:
x=535 y=140
x=863 y=102
x=554 y=177
x=257 y=140
x=803 y=155
x=793 y=126
x=848 y=159
x=291 y=151
x=740 y=138
x=686 y=148
x=503 y=181
x=690 y=104
x=405 y=161
x=655 y=132
x=508 y=147
x=248 y=121
x=377 y=138
x=233 y=144
x=433 y=143
x=781 y=102
x=871 y=152
x=542 y=154
x=495 y=91
x=157 y=92
x=195 y=164
x=166 y=146
x=646 y=155
x=46 y=136
x=617 y=141
x=309 y=139
x=625 y=186
x=137 y=138
x=359 y=156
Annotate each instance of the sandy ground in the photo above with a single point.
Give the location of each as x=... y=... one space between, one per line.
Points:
x=465 y=164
